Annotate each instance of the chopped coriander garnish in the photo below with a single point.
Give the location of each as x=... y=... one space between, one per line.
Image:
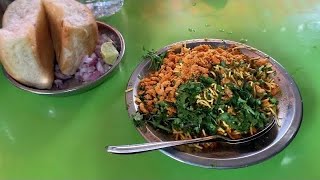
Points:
x=155 y=58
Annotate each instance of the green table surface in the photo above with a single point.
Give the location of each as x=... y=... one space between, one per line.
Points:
x=43 y=137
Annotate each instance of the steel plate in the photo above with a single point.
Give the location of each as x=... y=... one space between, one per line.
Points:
x=228 y=155
x=73 y=86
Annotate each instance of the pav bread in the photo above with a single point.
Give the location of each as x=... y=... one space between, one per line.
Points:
x=26 y=49
x=74 y=32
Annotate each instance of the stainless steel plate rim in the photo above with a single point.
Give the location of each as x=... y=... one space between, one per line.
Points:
x=84 y=86
x=281 y=141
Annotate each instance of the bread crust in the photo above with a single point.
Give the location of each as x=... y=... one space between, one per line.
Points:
x=26 y=46
x=72 y=39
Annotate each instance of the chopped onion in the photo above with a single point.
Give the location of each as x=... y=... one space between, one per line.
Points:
x=95 y=75
x=58 y=74
x=100 y=67
x=78 y=76
x=91 y=68
x=87 y=59
x=94 y=62
x=85 y=76
x=93 y=56
x=58 y=83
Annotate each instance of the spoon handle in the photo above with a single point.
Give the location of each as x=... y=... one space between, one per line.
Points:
x=137 y=148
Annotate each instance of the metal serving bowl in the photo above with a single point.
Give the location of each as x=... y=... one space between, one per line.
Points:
x=230 y=155
x=73 y=86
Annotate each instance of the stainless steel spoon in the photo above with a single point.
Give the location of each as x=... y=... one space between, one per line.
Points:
x=138 y=148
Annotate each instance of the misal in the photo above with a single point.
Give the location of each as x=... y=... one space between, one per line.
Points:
x=205 y=90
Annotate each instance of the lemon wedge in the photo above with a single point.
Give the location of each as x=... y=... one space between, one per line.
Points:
x=109 y=52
